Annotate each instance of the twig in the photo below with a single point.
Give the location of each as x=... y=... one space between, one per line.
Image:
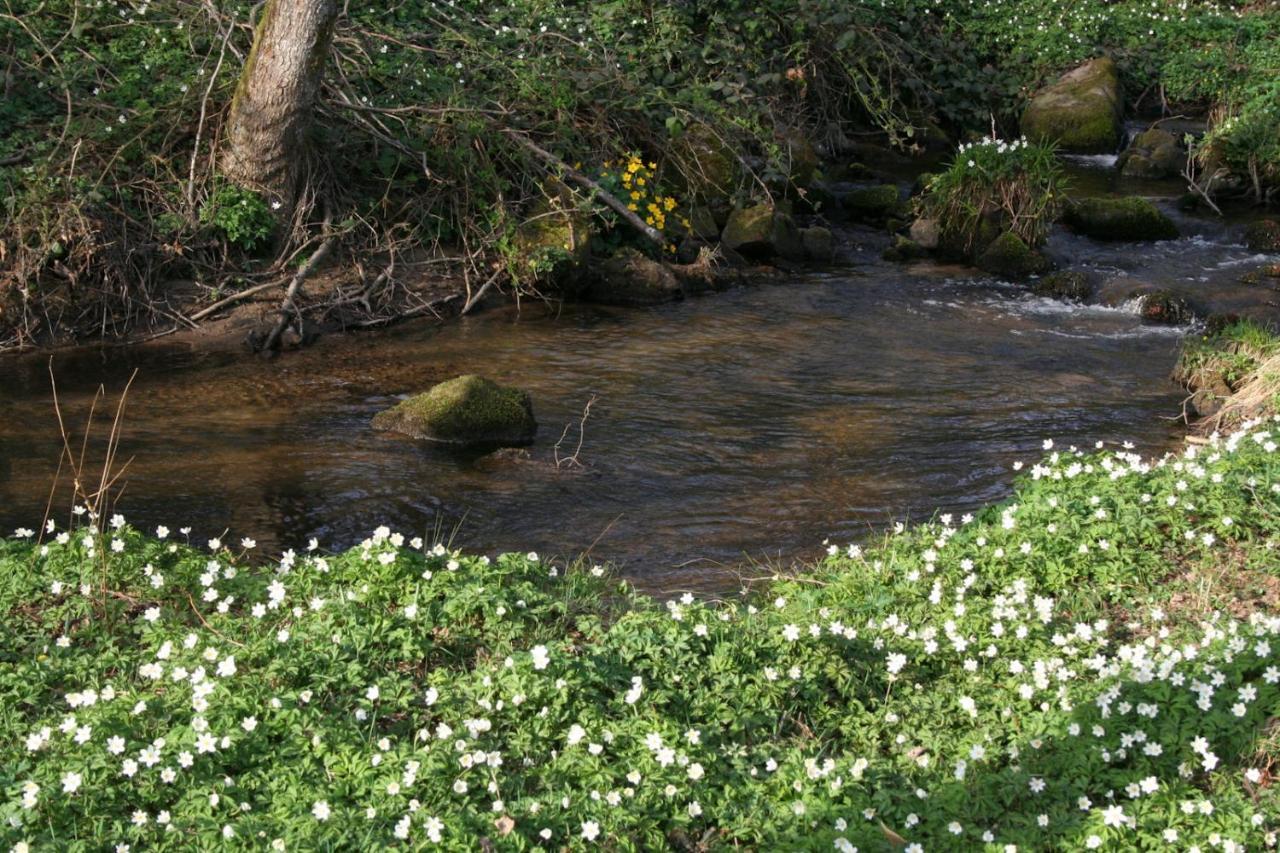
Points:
x=471 y=302
x=204 y=105
x=653 y=235
x=231 y=300
x=582 y=434
x=287 y=307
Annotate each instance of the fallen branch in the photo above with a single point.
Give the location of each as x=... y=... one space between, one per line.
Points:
x=412 y=312
x=287 y=307
x=231 y=300
x=653 y=235
x=471 y=302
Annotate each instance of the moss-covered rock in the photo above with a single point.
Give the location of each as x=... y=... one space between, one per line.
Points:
x=703 y=225
x=873 y=204
x=632 y=278
x=956 y=244
x=552 y=246
x=800 y=158
x=1154 y=153
x=708 y=168
x=926 y=232
x=469 y=411
x=1081 y=112
x=1070 y=285
x=762 y=231
x=1010 y=258
x=1134 y=219
x=904 y=249
x=1263 y=236
x=819 y=244
x=1163 y=307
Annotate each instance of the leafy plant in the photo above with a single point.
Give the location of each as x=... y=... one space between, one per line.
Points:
x=1014 y=186
x=242 y=216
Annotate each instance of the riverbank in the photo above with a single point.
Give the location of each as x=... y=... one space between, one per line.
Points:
x=431 y=142
x=1092 y=664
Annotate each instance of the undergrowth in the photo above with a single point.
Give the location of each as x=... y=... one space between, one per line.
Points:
x=1024 y=679
x=114 y=113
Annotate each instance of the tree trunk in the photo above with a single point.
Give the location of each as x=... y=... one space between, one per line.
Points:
x=272 y=108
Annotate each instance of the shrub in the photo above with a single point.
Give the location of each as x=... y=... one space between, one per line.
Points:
x=1018 y=185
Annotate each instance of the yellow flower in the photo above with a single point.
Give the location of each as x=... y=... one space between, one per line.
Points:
x=669 y=203
x=631 y=207
x=640 y=181
x=635 y=196
x=653 y=165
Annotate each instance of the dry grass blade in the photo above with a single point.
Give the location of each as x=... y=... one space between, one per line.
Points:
x=1256 y=396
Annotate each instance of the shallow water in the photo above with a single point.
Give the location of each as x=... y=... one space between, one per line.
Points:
x=749 y=425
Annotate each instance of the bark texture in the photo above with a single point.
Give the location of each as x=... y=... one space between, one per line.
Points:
x=274 y=99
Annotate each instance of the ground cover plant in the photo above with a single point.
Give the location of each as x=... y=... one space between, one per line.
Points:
x=115 y=113
x=1059 y=672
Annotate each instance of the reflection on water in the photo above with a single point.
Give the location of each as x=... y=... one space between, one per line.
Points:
x=754 y=423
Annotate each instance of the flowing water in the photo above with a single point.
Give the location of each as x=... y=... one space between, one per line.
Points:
x=749 y=425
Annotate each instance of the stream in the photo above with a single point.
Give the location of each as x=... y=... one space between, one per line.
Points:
x=745 y=427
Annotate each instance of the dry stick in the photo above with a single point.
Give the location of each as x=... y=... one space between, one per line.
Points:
x=231 y=300
x=471 y=303
x=288 y=305
x=412 y=312
x=652 y=234
x=204 y=104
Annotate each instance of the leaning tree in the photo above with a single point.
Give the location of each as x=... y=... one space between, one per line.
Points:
x=274 y=100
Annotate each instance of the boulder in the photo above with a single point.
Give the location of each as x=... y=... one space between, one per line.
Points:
x=873 y=204
x=1263 y=235
x=708 y=167
x=703 y=225
x=903 y=250
x=1163 y=307
x=1009 y=257
x=800 y=158
x=1081 y=112
x=926 y=233
x=632 y=278
x=762 y=231
x=1134 y=219
x=1153 y=154
x=469 y=411
x=818 y=243
x=1070 y=285
x=553 y=245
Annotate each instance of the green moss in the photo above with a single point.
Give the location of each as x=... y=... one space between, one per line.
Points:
x=873 y=204
x=761 y=231
x=1263 y=236
x=1009 y=257
x=708 y=167
x=1080 y=112
x=904 y=249
x=466 y=411
x=552 y=247
x=1120 y=219
x=1069 y=284
x=1165 y=308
